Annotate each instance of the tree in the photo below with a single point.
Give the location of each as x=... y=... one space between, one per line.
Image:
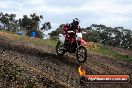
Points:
x=58 y=31
x=4 y=19
x=30 y=23
x=92 y=36
x=9 y=21
x=13 y=23
x=46 y=26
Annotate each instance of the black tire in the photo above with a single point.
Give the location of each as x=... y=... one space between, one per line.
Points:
x=57 y=49
x=84 y=56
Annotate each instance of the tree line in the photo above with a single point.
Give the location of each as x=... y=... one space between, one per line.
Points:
x=8 y=22
x=118 y=36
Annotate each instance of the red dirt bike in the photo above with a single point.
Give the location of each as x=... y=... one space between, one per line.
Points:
x=76 y=47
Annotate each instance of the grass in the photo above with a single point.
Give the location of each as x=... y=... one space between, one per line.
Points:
x=101 y=49
x=98 y=48
x=47 y=42
x=25 y=39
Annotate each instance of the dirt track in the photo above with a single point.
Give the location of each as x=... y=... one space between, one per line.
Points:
x=62 y=71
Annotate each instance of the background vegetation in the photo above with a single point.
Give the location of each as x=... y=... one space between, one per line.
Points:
x=8 y=22
x=118 y=36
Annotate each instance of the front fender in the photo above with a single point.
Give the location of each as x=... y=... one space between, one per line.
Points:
x=82 y=42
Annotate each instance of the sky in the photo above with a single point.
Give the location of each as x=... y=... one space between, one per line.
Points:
x=111 y=13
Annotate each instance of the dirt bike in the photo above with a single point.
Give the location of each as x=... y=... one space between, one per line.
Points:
x=77 y=47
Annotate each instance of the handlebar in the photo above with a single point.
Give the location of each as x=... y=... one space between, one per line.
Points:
x=74 y=32
x=70 y=31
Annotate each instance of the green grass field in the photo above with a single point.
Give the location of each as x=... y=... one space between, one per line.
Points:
x=110 y=53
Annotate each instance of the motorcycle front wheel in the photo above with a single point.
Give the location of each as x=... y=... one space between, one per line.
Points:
x=59 y=49
x=81 y=54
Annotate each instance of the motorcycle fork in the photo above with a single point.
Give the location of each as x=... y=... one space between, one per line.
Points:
x=77 y=44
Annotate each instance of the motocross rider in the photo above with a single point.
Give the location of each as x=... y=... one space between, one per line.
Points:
x=74 y=26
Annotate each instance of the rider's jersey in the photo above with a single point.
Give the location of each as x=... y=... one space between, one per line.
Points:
x=70 y=27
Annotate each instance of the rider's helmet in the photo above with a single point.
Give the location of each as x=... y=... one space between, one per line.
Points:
x=76 y=21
